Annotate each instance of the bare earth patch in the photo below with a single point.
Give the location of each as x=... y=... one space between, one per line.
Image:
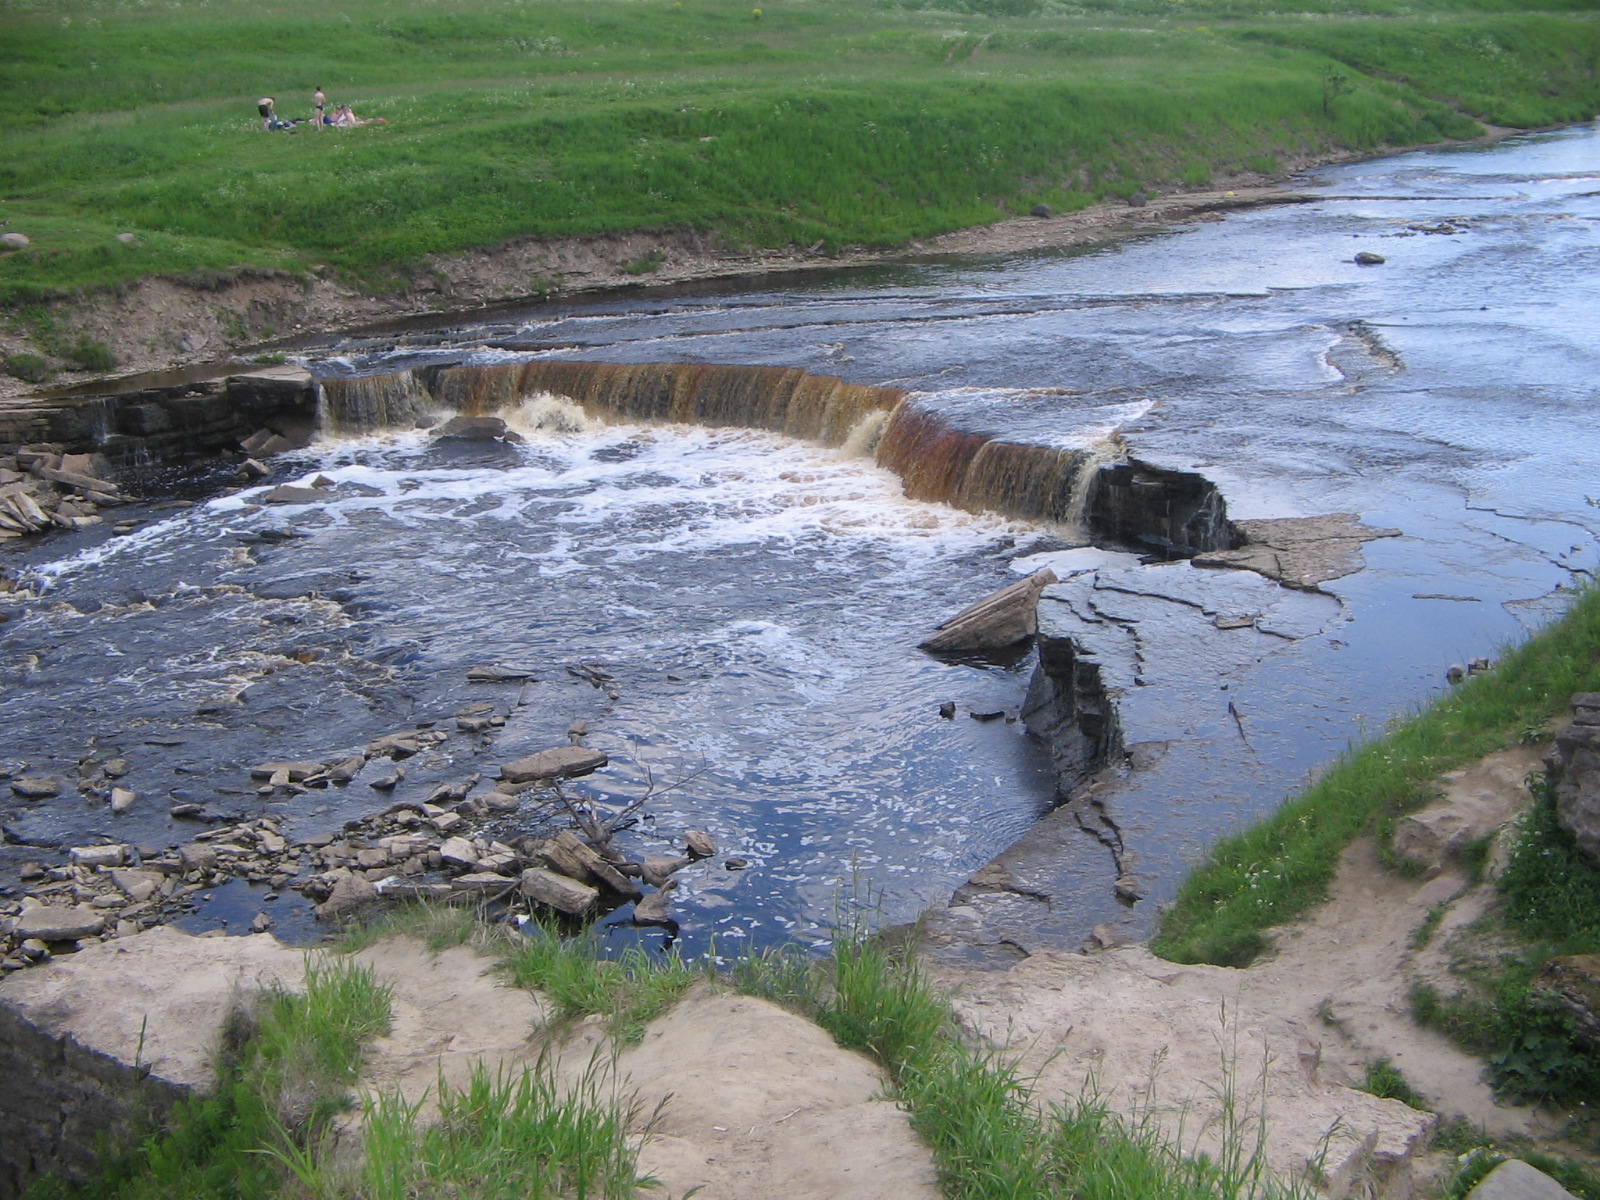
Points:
x=1277 y=1050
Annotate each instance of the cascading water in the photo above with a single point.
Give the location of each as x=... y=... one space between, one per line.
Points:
x=937 y=458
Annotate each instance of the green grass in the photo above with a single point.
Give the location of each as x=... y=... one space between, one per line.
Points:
x=840 y=121
x=1281 y=868
x=524 y=1136
x=1385 y=1081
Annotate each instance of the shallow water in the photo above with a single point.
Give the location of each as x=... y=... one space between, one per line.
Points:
x=757 y=601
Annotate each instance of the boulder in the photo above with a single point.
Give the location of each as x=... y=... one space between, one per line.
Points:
x=476 y=429
x=57 y=924
x=14 y=241
x=699 y=843
x=1516 y=1180
x=656 y=908
x=1367 y=258
x=560 y=762
x=349 y=893
x=557 y=891
x=1574 y=766
x=458 y=851
x=1002 y=619
x=1572 y=982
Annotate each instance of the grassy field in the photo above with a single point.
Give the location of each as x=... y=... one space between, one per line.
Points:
x=797 y=122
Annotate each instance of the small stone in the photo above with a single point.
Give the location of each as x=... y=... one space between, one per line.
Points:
x=109 y=900
x=389 y=781
x=289 y=772
x=122 y=799
x=947 y=710
x=98 y=856
x=1129 y=889
x=127 y=239
x=1367 y=258
x=735 y=863
x=261 y=923
x=457 y=851
x=700 y=844
x=36 y=787
x=286 y=493
x=35 y=950
x=655 y=909
x=14 y=241
x=116 y=768
x=349 y=893
x=188 y=811
x=1040 y=210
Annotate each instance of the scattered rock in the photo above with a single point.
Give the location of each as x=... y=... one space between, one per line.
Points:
x=261 y=923
x=734 y=863
x=1129 y=889
x=561 y=762
x=122 y=799
x=115 y=768
x=557 y=891
x=998 y=620
x=947 y=710
x=49 y=924
x=700 y=844
x=657 y=870
x=656 y=908
x=495 y=673
x=995 y=715
x=349 y=893
x=15 y=241
x=289 y=772
x=460 y=852
x=476 y=429
x=288 y=493
x=1041 y=210
x=98 y=856
x=1367 y=258
x=37 y=787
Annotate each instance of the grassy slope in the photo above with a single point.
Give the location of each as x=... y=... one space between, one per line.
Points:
x=1281 y=867
x=816 y=120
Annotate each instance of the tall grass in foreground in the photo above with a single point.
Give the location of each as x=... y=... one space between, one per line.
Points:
x=990 y=1137
x=1280 y=868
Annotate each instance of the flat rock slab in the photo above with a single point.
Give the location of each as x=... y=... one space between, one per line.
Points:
x=1000 y=619
x=1300 y=552
x=159 y=998
x=59 y=924
x=561 y=762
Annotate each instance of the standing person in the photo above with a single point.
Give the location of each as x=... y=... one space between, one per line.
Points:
x=264 y=105
x=319 y=102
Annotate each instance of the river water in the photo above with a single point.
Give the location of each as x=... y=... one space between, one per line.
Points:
x=735 y=614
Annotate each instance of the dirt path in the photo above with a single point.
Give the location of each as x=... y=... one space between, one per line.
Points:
x=1278 y=1050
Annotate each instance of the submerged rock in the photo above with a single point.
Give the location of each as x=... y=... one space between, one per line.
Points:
x=1299 y=552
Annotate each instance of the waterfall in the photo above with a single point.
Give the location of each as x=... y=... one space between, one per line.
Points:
x=371 y=402
x=1095 y=491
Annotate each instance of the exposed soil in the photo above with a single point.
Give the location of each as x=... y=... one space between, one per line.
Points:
x=1208 y=1052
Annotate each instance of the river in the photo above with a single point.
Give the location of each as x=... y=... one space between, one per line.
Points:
x=734 y=614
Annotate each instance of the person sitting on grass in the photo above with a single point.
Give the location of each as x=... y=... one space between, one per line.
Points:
x=344 y=118
x=268 y=116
